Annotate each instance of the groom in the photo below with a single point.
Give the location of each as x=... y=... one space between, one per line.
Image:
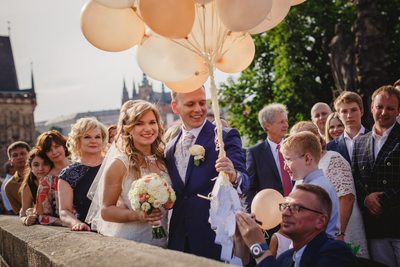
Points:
x=190 y=230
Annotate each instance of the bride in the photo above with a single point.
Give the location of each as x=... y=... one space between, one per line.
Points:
x=138 y=150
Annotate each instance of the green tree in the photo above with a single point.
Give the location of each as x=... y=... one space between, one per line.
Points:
x=291 y=66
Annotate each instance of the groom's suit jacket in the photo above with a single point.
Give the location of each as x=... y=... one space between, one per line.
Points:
x=189 y=229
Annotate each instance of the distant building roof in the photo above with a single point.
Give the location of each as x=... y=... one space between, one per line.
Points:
x=8 y=74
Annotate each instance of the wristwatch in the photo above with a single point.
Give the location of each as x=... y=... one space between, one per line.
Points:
x=258 y=249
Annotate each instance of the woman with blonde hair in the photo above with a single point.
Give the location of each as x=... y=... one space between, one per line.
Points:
x=87 y=142
x=334 y=127
x=138 y=150
x=338 y=171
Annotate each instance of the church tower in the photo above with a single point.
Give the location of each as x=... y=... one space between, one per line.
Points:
x=16 y=105
x=125 y=95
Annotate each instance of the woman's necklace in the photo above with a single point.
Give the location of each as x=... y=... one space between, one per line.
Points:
x=151 y=159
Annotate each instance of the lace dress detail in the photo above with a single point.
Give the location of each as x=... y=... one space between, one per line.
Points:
x=338 y=171
x=136 y=231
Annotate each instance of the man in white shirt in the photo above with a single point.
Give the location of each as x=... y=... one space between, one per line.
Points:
x=349 y=106
x=376 y=172
x=263 y=160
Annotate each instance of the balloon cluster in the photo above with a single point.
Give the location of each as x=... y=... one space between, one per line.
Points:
x=180 y=42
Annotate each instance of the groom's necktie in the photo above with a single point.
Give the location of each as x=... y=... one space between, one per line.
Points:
x=286 y=181
x=184 y=154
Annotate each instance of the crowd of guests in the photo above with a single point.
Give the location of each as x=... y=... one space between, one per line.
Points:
x=341 y=182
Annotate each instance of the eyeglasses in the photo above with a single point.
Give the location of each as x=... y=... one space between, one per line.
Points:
x=295 y=208
x=289 y=161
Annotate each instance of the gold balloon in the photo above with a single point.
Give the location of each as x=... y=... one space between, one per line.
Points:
x=280 y=8
x=193 y=83
x=169 y=18
x=110 y=29
x=116 y=3
x=203 y=2
x=165 y=60
x=237 y=53
x=297 y=2
x=265 y=206
x=243 y=15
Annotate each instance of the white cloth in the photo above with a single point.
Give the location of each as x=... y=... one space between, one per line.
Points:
x=297 y=256
x=275 y=154
x=338 y=171
x=137 y=231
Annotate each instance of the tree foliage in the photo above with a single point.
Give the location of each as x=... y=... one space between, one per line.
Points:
x=291 y=66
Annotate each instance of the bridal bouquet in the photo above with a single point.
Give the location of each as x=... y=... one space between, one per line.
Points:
x=152 y=192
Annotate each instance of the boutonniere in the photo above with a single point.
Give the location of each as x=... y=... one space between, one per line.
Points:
x=198 y=152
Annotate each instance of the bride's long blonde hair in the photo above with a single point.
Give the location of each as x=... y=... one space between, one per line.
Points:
x=130 y=113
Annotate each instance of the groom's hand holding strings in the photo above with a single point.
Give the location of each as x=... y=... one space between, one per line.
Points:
x=225 y=165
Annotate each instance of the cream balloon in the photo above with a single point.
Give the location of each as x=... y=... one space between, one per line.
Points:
x=237 y=53
x=116 y=3
x=265 y=206
x=110 y=29
x=169 y=18
x=203 y=2
x=165 y=60
x=208 y=30
x=297 y=2
x=280 y=8
x=194 y=82
x=243 y=15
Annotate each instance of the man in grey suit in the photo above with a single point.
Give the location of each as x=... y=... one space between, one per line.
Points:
x=376 y=171
x=263 y=164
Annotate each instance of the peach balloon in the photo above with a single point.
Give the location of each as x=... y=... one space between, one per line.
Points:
x=165 y=60
x=116 y=3
x=110 y=29
x=193 y=83
x=237 y=53
x=243 y=15
x=203 y=2
x=297 y=2
x=265 y=206
x=208 y=30
x=280 y=8
x=169 y=18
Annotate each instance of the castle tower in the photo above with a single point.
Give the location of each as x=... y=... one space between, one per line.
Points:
x=16 y=105
x=125 y=95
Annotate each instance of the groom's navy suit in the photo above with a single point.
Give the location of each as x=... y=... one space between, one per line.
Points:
x=189 y=229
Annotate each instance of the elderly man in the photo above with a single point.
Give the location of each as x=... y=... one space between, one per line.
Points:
x=319 y=113
x=264 y=161
x=376 y=172
x=305 y=215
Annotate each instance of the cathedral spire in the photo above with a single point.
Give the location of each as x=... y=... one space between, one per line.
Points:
x=32 y=79
x=134 y=93
x=125 y=94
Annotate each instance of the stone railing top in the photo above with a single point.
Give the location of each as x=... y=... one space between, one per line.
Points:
x=39 y=245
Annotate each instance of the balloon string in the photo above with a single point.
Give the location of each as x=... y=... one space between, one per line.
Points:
x=217 y=116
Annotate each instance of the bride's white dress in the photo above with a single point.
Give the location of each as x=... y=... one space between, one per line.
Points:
x=136 y=231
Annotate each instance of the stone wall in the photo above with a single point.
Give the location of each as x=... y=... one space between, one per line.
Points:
x=58 y=246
